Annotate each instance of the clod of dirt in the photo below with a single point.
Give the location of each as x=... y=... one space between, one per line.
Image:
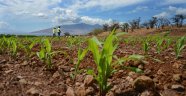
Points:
x=54 y=93
x=89 y=79
x=179 y=88
x=141 y=67
x=24 y=63
x=177 y=77
x=149 y=93
x=110 y=94
x=90 y=91
x=66 y=68
x=37 y=83
x=169 y=92
x=56 y=75
x=142 y=83
x=81 y=91
x=33 y=91
x=3 y=61
x=70 y=92
x=22 y=81
x=9 y=71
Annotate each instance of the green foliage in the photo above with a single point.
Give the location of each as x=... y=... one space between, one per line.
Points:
x=46 y=53
x=180 y=44
x=159 y=43
x=103 y=60
x=146 y=46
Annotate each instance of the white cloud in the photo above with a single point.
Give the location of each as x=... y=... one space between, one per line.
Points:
x=139 y=8
x=41 y=15
x=88 y=20
x=177 y=10
x=3 y=25
x=174 y=1
x=171 y=10
x=163 y=14
x=103 y=4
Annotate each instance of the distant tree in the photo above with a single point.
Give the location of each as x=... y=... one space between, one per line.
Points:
x=105 y=27
x=125 y=27
x=162 y=22
x=67 y=34
x=114 y=25
x=146 y=25
x=138 y=22
x=153 y=22
x=178 y=20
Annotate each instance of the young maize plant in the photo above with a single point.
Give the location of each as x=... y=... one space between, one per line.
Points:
x=180 y=44
x=146 y=46
x=45 y=54
x=28 y=48
x=13 y=47
x=103 y=60
x=159 y=43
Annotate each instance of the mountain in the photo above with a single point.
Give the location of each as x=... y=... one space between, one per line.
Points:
x=74 y=29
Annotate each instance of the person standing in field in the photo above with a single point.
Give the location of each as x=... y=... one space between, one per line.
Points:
x=59 y=31
x=54 y=32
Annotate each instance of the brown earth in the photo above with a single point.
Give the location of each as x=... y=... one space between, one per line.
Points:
x=22 y=77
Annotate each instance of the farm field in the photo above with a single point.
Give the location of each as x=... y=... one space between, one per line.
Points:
x=150 y=65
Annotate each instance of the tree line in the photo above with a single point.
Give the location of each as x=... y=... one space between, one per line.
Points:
x=154 y=22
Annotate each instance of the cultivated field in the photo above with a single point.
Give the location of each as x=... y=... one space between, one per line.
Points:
x=116 y=65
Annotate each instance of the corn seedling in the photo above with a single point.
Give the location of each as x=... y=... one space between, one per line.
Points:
x=159 y=45
x=103 y=60
x=146 y=46
x=180 y=44
x=46 y=53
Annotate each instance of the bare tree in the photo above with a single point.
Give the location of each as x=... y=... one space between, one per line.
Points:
x=146 y=25
x=114 y=25
x=153 y=22
x=125 y=27
x=162 y=22
x=178 y=20
x=105 y=27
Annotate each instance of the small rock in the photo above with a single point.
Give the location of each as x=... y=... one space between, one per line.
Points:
x=66 y=68
x=145 y=62
x=89 y=79
x=78 y=84
x=155 y=80
x=22 y=81
x=184 y=75
x=37 y=83
x=136 y=63
x=176 y=65
x=72 y=69
x=141 y=67
x=8 y=71
x=90 y=91
x=110 y=93
x=142 y=83
x=177 y=77
x=147 y=71
x=178 y=88
x=79 y=78
x=54 y=93
x=24 y=63
x=56 y=75
x=129 y=79
x=70 y=92
x=169 y=92
x=149 y=93
x=33 y=91
x=81 y=91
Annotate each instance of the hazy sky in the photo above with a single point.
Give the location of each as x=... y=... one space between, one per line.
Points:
x=32 y=15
